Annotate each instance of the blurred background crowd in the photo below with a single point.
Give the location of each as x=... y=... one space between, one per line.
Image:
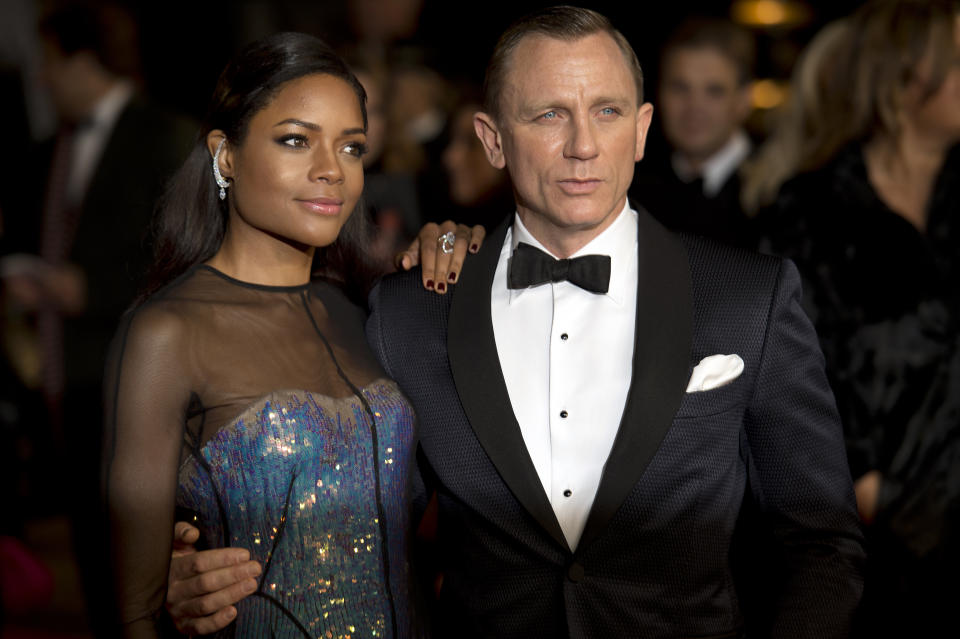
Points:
x=824 y=132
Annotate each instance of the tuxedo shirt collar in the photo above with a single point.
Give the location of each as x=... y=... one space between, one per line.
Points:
x=719 y=167
x=107 y=110
x=91 y=138
x=619 y=241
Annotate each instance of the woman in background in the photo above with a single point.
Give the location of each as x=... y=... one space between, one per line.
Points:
x=480 y=193
x=876 y=234
x=811 y=127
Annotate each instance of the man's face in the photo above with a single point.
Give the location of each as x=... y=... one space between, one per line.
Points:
x=65 y=78
x=569 y=132
x=702 y=103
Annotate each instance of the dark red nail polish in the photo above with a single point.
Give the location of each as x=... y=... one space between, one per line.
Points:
x=441 y=286
x=474 y=247
x=429 y=283
x=452 y=278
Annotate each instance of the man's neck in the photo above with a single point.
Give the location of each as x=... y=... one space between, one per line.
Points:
x=99 y=87
x=715 y=168
x=562 y=242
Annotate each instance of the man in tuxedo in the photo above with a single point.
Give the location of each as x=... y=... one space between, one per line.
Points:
x=598 y=397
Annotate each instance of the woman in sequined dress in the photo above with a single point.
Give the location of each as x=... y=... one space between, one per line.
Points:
x=242 y=390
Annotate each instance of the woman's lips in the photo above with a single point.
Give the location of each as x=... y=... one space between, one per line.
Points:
x=579 y=187
x=323 y=206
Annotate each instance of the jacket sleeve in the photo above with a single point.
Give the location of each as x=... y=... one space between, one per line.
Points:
x=379 y=337
x=799 y=477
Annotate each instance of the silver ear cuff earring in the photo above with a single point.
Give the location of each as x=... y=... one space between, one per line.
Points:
x=221 y=182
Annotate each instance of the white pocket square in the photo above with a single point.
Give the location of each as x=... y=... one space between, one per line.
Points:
x=715 y=371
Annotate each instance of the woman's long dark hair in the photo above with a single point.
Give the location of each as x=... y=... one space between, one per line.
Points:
x=191 y=220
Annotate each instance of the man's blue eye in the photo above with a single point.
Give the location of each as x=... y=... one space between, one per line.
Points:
x=549 y=115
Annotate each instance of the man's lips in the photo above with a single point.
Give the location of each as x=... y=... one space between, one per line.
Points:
x=578 y=186
x=323 y=205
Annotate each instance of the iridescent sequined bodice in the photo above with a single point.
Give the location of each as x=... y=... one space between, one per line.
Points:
x=297 y=479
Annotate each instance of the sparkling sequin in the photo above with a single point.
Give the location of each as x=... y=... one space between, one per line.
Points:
x=296 y=477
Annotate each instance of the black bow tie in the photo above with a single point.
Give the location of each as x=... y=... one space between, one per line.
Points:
x=529 y=266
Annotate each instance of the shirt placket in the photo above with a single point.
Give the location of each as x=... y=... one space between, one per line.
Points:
x=564 y=416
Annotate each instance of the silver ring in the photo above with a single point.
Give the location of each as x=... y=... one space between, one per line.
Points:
x=447 y=240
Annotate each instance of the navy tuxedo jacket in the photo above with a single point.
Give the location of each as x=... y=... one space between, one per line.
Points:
x=655 y=556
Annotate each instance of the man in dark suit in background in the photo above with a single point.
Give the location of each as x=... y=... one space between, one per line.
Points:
x=113 y=152
x=591 y=424
x=703 y=102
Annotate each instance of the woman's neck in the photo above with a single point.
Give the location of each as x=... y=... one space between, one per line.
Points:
x=903 y=171
x=259 y=258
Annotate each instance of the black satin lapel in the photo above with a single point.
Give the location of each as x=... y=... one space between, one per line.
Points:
x=483 y=393
x=661 y=356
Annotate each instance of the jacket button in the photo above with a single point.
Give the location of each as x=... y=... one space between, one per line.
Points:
x=575 y=572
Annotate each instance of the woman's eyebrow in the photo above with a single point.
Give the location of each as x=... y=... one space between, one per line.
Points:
x=306 y=125
x=317 y=127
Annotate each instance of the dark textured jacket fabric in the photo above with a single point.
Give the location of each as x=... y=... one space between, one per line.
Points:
x=683 y=207
x=655 y=556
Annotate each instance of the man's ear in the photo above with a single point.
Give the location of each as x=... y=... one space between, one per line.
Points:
x=644 y=116
x=489 y=134
x=225 y=160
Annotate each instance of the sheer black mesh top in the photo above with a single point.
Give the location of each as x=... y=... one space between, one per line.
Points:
x=261 y=411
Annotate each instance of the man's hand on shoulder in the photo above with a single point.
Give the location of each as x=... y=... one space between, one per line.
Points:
x=204 y=585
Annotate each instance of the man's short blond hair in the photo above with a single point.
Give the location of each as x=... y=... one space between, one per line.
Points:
x=562 y=23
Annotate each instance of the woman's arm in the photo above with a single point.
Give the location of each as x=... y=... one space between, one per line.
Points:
x=146 y=397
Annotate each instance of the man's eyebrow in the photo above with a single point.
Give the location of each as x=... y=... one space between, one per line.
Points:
x=611 y=100
x=557 y=104
x=317 y=127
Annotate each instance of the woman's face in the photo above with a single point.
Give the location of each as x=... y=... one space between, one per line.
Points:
x=471 y=176
x=940 y=113
x=299 y=172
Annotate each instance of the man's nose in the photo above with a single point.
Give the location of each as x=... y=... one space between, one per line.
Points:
x=582 y=141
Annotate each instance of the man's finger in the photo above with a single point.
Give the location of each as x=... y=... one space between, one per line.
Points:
x=209 y=624
x=193 y=564
x=184 y=535
x=209 y=601
x=211 y=583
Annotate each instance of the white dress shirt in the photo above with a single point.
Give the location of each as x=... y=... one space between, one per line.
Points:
x=567 y=359
x=719 y=167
